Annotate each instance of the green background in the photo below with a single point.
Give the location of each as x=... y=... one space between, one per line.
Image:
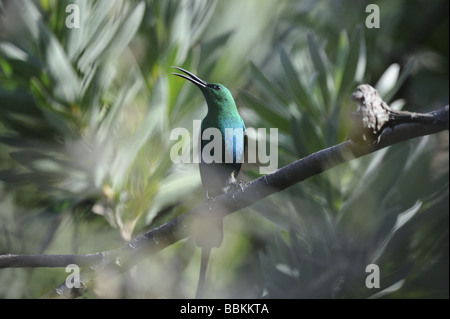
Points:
x=86 y=114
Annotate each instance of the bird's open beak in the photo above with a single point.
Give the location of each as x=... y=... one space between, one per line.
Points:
x=193 y=78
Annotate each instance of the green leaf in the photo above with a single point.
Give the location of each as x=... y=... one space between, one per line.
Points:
x=354 y=63
x=95 y=17
x=34 y=159
x=277 y=102
x=66 y=84
x=400 y=80
x=265 y=111
x=152 y=123
x=12 y=176
x=387 y=80
x=394 y=281
x=297 y=90
x=20 y=142
x=126 y=31
x=321 y=65
x=19 y=63
x=341 y=60
x=401 y=220
x=307 y=136
x=19 y=102
x=211 y=51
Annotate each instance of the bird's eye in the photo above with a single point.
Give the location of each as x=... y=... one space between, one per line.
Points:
x=215 y=87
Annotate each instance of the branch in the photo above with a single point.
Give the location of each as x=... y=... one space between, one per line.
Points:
x=112 y=263
x=374 y=115
x=33 y=261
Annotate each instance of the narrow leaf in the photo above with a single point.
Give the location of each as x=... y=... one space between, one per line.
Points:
x=297 y=89
x=320 y=62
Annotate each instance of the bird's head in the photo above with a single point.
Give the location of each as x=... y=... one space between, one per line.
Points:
x=214 y=93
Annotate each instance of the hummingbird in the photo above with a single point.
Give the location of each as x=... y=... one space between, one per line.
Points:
x=217 y=177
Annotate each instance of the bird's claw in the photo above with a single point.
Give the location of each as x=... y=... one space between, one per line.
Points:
x=209 y=202
x=241 y=184
x=236 y=184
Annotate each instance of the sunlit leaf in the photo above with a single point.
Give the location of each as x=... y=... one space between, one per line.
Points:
x=388 y=80
x=297 y=89
x=277 y=101
x=355 y=61
x=401 y=79
x=320 y=62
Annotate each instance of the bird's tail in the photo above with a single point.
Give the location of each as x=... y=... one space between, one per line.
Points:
x=209 y=229
x=203 y=266
x=209 y=234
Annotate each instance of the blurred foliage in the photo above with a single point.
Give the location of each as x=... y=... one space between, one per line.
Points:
x=86 y=115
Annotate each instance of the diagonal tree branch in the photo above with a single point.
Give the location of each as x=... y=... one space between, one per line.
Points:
x=33 y=261
x=105 y=265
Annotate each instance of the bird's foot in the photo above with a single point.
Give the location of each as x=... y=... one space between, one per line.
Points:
x=238 y=184
x=241 y=185
x=234 y=185
x=209 y=202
